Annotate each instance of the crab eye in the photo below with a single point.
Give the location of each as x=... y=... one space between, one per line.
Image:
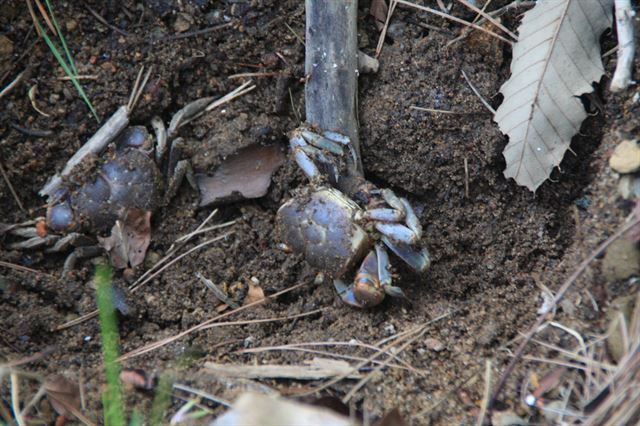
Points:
x=60 y=217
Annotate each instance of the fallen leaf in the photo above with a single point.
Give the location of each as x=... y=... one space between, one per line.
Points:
x=556 y=59
x=63 y=394
x=245 y=174
x=136 y=379
x=379 y=10
x=254 y=294
x=127 y=245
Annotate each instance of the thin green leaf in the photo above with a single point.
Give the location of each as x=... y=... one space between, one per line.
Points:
x=136 y=418
x=67 y=70
x=162 y=399
x=62 y=40
x=199 y=414
x=112 y=399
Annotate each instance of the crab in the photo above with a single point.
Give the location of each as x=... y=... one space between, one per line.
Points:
x=125 y=178
x=341 y=220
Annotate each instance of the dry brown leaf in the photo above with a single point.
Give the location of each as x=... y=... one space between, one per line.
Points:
x=129 y=239
x=63 y=394
x=135 y=378
x=556 y=59
x=245 y=174
x=379 y=10
x=254 y=294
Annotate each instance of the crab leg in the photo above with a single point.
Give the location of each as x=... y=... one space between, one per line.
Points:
x=419 y=260
x=322 y=142
x=337 y=137
x=411 y=219
x=384 y=275
x=307 y=165
x=308 y=155
x=397 y=232
x=383 y=266
x=384 y=215
x=392 y=199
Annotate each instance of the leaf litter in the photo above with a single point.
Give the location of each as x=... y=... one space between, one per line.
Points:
x=556 y=59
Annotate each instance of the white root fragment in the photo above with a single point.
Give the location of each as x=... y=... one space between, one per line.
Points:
x=626 y=45
x=316 y=369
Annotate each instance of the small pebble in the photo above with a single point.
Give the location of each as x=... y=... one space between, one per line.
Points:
x=389 y=329
x=71 y=25
x=214 y=17
x=621 y=261
x=129 y=275
x=434 y=344
x=109 y=67
x=182 y=23
x=629 y=186
x=151 y=259
x=626 y=157
x=270 y=60
x=583 y=203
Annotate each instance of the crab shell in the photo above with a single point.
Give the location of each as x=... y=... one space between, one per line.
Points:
x=321 y=225
x=129 y=179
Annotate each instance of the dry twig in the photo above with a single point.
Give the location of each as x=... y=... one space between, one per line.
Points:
x=203 y=325
x=11 y=189
x=455 y=19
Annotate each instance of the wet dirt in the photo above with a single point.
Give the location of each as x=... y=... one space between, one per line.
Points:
x=490 y=239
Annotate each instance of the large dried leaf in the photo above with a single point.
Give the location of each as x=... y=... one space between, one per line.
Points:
x=63 y=394
x=245 y=174
x=556 y=59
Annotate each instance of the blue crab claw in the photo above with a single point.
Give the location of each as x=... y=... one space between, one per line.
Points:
x=418 y=259
x=366 y=290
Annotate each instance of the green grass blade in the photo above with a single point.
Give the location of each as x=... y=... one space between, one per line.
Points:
x=136 y=418
x=112 y=399
x=162 y=400
x=74 y=80
x=62 y=40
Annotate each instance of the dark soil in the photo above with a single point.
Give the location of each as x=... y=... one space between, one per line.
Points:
x=489 y=245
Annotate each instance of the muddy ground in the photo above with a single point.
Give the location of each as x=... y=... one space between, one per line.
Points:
x=489 y=245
